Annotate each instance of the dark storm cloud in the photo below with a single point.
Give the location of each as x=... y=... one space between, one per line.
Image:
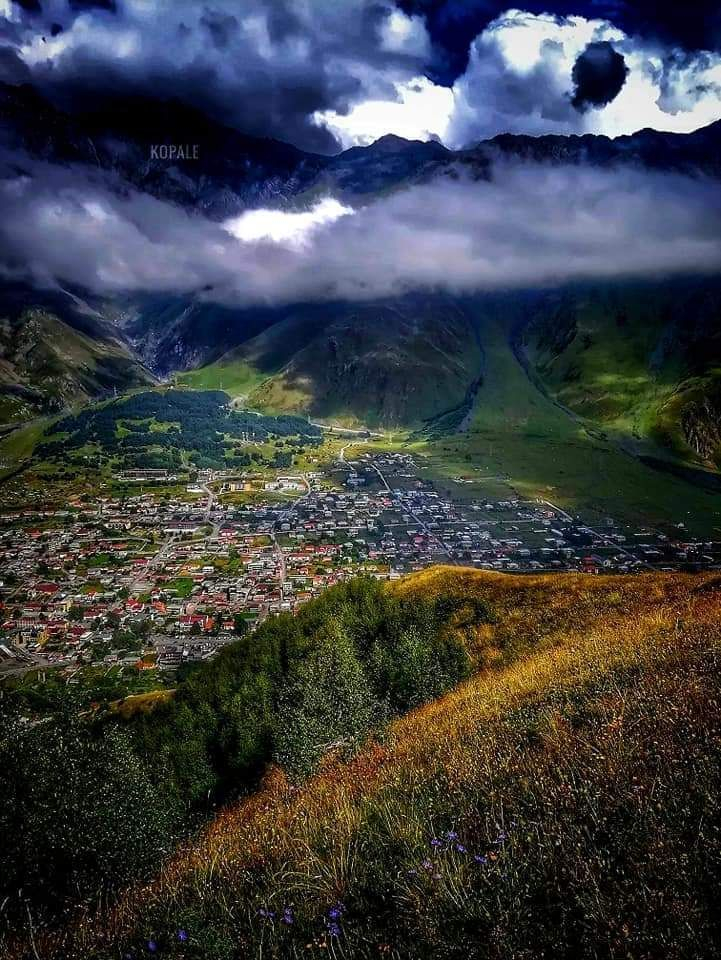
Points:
x=599 y=73
x=454 y=24
x=12 y=68
x=29 y=6
x=529 y=226
x=264 y=66
x=690 y=26
x=93 y=5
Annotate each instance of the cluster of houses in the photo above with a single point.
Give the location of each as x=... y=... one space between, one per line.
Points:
x=148 y=581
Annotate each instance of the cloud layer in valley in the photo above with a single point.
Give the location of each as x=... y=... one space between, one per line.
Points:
x=529 y=226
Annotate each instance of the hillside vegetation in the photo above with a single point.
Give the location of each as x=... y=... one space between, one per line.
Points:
x=643 y=360
x=394 y=362
x=47 y=365
x=563 y=801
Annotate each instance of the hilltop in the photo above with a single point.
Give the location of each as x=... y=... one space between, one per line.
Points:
x=562 y=801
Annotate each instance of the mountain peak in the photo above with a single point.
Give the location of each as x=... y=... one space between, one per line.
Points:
x=390 y=143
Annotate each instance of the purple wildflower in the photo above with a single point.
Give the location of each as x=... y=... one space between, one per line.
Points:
x=436 y=843
x=501 y=837
x=152 y=946
x=182 y=935
x=480 y=859
x=334 y=929
x=460 y=848
x=427 y=864
x=336 y=911
x=287 y=917
x=451 y=835
x=266 y=914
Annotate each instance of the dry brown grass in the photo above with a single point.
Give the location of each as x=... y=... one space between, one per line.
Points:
x=462 y=760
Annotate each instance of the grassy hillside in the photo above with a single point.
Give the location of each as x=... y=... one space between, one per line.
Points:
x=389 y=363
x=517 y=435
x=642 y=360
x=47 y=365
x=562 y=802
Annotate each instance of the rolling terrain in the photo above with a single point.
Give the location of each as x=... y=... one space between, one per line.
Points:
x=562 y=800
x=643 y=361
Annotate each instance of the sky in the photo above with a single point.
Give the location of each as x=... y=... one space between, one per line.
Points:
x=330 y=74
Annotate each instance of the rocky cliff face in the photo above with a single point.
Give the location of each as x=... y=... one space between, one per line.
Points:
x=701 y=425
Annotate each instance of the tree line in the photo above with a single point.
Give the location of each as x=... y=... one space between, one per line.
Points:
x=89 y=803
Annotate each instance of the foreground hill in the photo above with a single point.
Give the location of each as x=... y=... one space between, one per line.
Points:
x=563 y=802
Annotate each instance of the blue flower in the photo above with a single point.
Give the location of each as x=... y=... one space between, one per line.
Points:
x=287 y=917
x=451 y=835
x=182 y=936
x=336 y=911
x=436 y=843
x=152 y=946
x=334 y=929
x=460 y=848
x=267 y=914
x=480 y=859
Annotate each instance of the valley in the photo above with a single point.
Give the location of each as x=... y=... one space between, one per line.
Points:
x=148 y=532
x=360 y=480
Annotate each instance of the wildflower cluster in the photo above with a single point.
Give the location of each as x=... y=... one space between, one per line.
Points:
x=286 y=916
x=332 y=922
x=450 y=842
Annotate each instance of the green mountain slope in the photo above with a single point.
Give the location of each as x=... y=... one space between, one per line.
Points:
x=642 y=360
x=517 y=435
x=398 y=362
x=46 y=365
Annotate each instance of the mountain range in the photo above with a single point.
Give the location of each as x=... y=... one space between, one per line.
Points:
x=640 y=360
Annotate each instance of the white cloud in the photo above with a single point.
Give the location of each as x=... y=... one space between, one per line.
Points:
x=404 y=34
x=285 y=227
x=421 y=111
x=519 y=80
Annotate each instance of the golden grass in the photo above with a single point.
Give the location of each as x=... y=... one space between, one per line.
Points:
x=311 y=841
x=136 y=703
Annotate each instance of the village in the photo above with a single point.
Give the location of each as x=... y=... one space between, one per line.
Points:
x=140 y=582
